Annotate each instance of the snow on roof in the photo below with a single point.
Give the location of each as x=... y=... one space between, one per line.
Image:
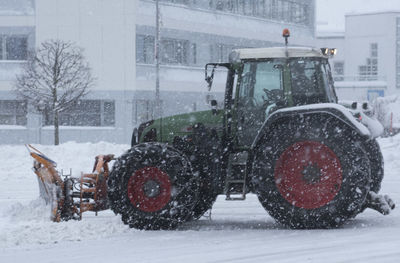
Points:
x=381 y=12
x=330 y=34
x=279 y=52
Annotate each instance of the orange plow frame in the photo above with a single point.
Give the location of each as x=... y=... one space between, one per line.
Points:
x=68 y=196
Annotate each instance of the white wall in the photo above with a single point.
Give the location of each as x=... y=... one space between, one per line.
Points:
x=361 y=31
x=106 y=31
x=364 y=29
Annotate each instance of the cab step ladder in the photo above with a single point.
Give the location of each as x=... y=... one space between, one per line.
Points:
x=235 y=183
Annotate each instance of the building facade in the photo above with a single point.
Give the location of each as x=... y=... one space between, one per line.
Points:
x=368 y=61
x=118 y=39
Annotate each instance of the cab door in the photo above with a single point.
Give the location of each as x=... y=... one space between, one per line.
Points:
x=260 y=88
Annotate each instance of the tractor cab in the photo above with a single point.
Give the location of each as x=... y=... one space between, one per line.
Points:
x=263 y=80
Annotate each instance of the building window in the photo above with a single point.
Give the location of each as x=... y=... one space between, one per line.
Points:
x=144 y=49
x=299 y=13
x=374 y=50
x=292 y=11
x=13 y=112
x=108 y=113
x=86 y=113
x=369 y=71
x=143 y=110
x=220 y=52
x=281 y=10
x=338 y=70
x=193 y=49
x=13 y=47
x=172 y=51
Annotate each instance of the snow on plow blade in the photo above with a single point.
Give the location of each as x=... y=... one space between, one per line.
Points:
x=69 y=196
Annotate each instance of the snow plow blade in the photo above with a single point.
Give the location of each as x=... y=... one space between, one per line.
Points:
x=69 y=196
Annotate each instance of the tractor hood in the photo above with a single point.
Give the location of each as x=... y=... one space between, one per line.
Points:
x=167 y=128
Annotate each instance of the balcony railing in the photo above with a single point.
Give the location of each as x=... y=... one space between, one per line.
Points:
x=338 y=78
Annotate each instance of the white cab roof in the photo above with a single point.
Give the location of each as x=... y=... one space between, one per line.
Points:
x=279 y=52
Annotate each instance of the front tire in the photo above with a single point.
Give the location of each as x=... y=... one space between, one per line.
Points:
x=311 y=172
x=204 y=153
x=152 y=186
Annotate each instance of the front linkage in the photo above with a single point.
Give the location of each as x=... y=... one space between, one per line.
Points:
x=69 y=196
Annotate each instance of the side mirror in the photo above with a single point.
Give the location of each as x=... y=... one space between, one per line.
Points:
x=214 y=107
x=135 y=137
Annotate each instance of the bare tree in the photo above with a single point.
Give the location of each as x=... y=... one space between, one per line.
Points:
x=54 y=78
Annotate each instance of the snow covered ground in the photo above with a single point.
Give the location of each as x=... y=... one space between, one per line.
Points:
x=238 y=231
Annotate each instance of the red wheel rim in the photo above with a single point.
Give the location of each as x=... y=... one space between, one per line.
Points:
x=149 y=189
x=308 y=174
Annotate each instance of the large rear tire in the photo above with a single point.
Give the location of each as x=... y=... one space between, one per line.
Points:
x=311 y=172
x=152 y=186
x=377 y=165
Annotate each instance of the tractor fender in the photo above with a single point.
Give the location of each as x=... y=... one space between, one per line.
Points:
x=299 y=112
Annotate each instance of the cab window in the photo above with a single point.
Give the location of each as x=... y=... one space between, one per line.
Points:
x=261 y=87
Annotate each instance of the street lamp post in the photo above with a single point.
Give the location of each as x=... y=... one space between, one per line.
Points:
x=157 y=62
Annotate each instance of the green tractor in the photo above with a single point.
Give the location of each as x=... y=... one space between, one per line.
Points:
x=279 y=134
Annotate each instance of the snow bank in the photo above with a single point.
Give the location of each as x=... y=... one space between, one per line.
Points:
x=24 y=218
x=30 y=224
x=384 y=107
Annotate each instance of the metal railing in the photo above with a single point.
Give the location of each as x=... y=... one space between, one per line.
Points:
x=338 y=78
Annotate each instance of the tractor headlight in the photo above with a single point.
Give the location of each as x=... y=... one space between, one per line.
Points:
x=330 y=52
